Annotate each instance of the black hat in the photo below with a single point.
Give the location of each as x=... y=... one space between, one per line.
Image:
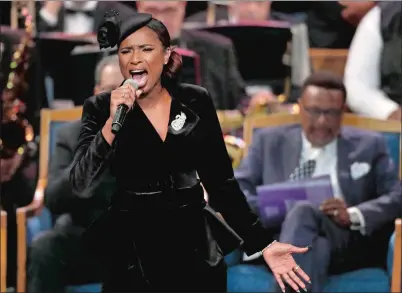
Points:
x=113 y=30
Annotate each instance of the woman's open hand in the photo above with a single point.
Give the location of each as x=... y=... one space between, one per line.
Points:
x=279 y=258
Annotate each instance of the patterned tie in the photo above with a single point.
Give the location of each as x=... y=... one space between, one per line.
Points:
x=305 y=170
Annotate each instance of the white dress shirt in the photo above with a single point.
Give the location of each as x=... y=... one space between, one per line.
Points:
x=362 y=71
x=77 y=23
x=326 y=164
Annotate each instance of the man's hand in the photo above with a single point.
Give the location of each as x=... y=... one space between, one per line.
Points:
x=336 y=209
x=354 y=11
x=396 y=115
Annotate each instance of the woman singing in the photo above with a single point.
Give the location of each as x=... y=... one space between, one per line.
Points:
x=158 y=233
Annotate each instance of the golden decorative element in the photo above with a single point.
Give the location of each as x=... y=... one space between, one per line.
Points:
x=13 y=107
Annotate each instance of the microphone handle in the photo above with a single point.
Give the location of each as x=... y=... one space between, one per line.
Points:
x=119 y=118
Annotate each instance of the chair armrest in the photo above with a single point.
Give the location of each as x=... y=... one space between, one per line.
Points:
x=24 y=213
x=396 y=266
x=3 y=253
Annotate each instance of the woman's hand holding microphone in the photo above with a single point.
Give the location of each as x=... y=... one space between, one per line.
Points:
x=126 y=94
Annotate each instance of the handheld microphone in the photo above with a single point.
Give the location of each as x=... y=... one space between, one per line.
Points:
x=122 y=110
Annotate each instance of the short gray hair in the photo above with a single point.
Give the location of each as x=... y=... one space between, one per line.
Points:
x=105 y=61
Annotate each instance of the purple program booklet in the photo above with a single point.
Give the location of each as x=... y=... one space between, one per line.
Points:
x=275 y=200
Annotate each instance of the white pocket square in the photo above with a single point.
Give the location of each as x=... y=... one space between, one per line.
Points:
x=358 y=170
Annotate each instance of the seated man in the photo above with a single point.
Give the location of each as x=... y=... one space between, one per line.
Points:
x=373 y=73
x=219 y=72
x=351 y=230
x=257 y=11
x=57 y=258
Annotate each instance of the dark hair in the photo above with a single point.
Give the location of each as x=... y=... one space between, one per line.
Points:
x=172 y=69
x=327 y=80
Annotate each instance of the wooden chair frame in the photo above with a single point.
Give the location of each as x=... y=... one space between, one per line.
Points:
x=333 y=60
x=35 y=208
x=396 y=283
x=3 y=251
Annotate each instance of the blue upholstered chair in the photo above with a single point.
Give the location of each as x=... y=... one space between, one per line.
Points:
x=254 y=278
x=35 y=218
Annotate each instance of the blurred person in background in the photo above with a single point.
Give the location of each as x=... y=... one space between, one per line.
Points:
x=75 y=17
x=219 y=71
x=260 y=11
x=56 y=256
x=373 y=73
x=332 y=24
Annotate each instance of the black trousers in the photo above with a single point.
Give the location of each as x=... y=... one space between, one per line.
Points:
x=57 y=259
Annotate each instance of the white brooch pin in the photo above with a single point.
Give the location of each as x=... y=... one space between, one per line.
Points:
x=179 y=121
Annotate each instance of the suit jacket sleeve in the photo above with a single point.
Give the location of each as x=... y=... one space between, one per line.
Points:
x=388 y=205
x=59 y=197
x=237 y=91
x=93 y=153
x=249 y=173
x=216 y=174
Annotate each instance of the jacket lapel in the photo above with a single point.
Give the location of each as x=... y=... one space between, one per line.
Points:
x=182 y=119
x=345 y=157
x=291 y=151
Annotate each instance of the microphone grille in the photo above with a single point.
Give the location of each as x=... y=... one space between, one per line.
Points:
x=132 y=82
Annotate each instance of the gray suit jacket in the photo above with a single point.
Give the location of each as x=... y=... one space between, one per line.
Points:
x=275 y=153
x=59 y=197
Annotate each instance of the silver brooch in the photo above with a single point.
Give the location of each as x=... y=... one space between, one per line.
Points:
x=179 y=121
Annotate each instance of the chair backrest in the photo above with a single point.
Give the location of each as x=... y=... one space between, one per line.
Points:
x=3 y=252
x=191 y=72
x=229 y=120
x=391 y=130
x=396 y=285
x=333 y=60
x=51 y=120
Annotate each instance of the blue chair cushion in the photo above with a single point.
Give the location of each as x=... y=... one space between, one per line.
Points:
x=364 y=280
x=393 y=142
x=233 y=258
x=249 y=278
x=390 y=255
x=93 y=288
x=38 y=224
x=53 y=130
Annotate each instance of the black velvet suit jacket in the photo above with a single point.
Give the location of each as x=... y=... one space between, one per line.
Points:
x=59 y=196
x=138 y=155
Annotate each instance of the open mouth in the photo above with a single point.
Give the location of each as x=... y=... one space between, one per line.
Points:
x=140 y=76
